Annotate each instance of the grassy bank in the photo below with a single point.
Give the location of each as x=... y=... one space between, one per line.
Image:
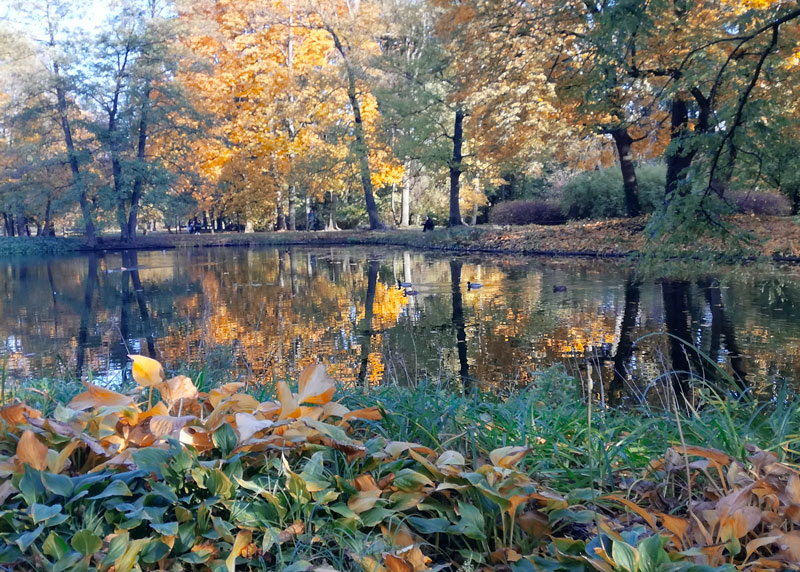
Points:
x=394 y=478
x=769 y=237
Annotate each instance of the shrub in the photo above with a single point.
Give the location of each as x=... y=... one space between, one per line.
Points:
x=760 y=203
x=600 y=194
x=526 y=212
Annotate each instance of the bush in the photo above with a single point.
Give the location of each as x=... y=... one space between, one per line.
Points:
x=760 y=203
x=600 y=194
x=526 y=212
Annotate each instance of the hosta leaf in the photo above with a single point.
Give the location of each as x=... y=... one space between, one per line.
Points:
x=25 y=539
x=225 y=439
x=32 y=451
x=410 y=480
x=166 y=528
x=153 y=552
x=128 y=558
x=625 y=556
x=315 y=385
x=146 y=371
x=95 y=396
x=115 y=488
x=86 y=542
x=243 y=538
x=41 y=512
x=58 y=484
x=55 y=546
x=150 y=459
x=471 y=524
x=429 y=525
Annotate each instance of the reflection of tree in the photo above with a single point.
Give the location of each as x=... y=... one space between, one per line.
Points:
x=365 y=328
x=622 y=357
x=721 y=326
x=130 y=260
x=683 y=357
x=458 y=322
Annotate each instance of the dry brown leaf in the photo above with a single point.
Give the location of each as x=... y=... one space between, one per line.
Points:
x=395 y=563
x=789 y=545
x=96 y=396
x=507 y=457
x=18 y=413
x=368 y=414
x=32 y=451
x=165 y=425
x=711 y=454
x=793 y=489
x=290 y=532
x=648 y=517
x=243 y=538
x=178 y=388
x=248 y=425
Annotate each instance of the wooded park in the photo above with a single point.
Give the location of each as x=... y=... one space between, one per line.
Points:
x=306 y=114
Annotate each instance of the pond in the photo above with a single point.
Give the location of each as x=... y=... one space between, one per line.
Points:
x=268 y=312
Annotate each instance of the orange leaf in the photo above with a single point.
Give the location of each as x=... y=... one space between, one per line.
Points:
x=32 y=451
x=711 y=454
x=17 y=413
x=315 y=385
x=368 y=413
x=96 y=396
x=243 y=538
x=396 y=564
x=289 y=405
x=648 y=518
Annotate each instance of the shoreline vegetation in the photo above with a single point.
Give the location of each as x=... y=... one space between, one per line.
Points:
x=750 y=238
x=178 y=475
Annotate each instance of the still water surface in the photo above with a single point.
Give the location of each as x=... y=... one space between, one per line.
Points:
x=276 y=310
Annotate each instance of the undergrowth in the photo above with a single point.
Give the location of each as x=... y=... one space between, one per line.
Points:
x=172 y=476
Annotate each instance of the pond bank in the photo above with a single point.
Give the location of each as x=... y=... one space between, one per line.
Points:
x=773 y=237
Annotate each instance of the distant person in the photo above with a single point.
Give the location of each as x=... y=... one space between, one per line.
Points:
x=428 y=224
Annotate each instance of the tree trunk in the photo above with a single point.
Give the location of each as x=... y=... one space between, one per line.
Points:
x=87 y=209
x=681 y=153
x=280 y=222
x=475 y=202
x=138 y=181
x=630 y=184
x=455 y=169
x=332 y=225
x=360 y=147
x=405 y=198
x=292 y=208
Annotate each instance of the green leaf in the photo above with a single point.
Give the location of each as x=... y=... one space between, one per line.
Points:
x=153 y=552
x=299 y=566
x=219 y=484
x=58 y=484
x=41 y=512
x=129 y=558
x=116 y=548
x=26 y=539
x=150 y=459
x=652 y=554
x=86 y=542
x=429 y=525
x=471 y=524
x=73 y=562
x=30 y=485
x=225 y=439
x=55 y=546
x=165 y=529
x=114 y=489
x=625 y=556
x=375 y=516
x=410 y=480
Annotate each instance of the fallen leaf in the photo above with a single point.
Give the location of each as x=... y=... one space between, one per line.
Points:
x=32 y=451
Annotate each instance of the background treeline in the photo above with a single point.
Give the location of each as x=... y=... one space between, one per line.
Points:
x=287 y=114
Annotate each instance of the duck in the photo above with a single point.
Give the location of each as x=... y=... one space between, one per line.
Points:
x=559 y=288
x=410 y=292
x=473 y=285
x=403 y=285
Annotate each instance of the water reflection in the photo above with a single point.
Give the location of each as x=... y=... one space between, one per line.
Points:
x=270 y=312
